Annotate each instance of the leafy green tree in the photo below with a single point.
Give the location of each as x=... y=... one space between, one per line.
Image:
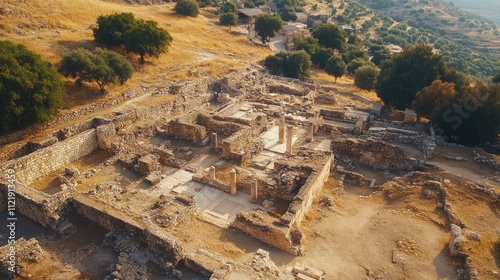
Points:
x=228 y=7
x=321 y=57
x=356 y=63
x=187 y=8
x=353 y=52
x=229 y=19
x=298 y=65
x=353 y=39
x=456 y=77
x=146 y=38
x=267 y=25
x=381 y=55
x=473 y=117
x=309 y=44
x=276 y=64
x=295 y=64
x=407 y=73
x=431 y=101
x=330 y=36
x=110 y=28
x=365 y=77
x=100 y=66
x=336 y=66
x=287 y=13
x=31 y=92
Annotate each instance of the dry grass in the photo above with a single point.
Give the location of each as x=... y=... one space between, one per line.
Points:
x=51 y=28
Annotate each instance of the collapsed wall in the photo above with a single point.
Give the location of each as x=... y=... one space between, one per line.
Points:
x=159 y=241
x=373 y=153
x=42 y=208
x=284 y=233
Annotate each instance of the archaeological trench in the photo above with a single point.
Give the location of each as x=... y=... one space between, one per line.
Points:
x=247 y=152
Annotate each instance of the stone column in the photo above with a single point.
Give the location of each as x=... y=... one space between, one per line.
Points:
x=213 y=140
x=310 y=136
x=281 y=138
x=289 y=136
x=232 y=182
x=211 y=173
x=254 y=192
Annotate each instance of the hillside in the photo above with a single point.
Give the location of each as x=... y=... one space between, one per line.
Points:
x=200 y=46
x=468 y=42
x=489 y=9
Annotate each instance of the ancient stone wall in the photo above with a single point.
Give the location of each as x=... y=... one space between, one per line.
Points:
x=259 y=225
x=42 y=208
x=241 y=145
x=217 y=126
x=348 y=94
x=304 y=199
x=373 y=153
x=158 y=240
x=186 y=131
x=44 y=161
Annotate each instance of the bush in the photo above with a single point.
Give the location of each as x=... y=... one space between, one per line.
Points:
x=295 y=64
x=365 y=77
x=100 y=66
x=267 y=25
x=146 y=38
x=31 y=91
x=336 y=66
x=229 y=19
x=187 y=8
x=110 y=29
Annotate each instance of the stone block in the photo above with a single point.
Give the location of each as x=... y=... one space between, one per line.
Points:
x=148 y=164
x=105 y=135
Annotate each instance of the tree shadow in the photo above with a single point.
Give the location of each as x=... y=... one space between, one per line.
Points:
x=495 y=252
x=80 y=95
x=446 y=265
x=86 y=44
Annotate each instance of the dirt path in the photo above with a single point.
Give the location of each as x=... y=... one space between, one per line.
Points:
x=359 y=236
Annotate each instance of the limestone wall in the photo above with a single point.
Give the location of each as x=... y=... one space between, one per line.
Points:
x=42 y=208
x=261 y=226
x=218 y=126
x=304 y=199
x=348 y=94
x=373 y=153
x=186 y=131
x=241 y=145
x=44 y=161
x=158 y=240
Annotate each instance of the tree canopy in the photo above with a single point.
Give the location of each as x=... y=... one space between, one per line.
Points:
x=110 y=28
x=472 y=116
x=146 y=38
x=295 y=64
x=267 y=25
x=431 y=100
x=330 y=36
x=138 y=36
x=336 y=66
x=365 y=77
x=100 y=66
x=187 y=8
x=407 y=73
x=31 y=91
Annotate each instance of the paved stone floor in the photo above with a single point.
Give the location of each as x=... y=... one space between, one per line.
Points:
x=270 y=139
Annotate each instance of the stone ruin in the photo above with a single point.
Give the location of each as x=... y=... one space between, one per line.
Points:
x=247 y=141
